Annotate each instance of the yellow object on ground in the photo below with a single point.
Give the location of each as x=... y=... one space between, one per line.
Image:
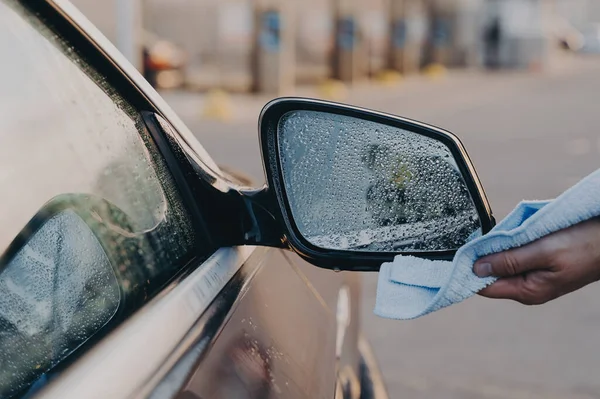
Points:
x=218 y=106
x=388 y=77
x=435 y=71
x=332 y=89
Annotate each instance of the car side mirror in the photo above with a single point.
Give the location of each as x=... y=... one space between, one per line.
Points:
x=354 y=187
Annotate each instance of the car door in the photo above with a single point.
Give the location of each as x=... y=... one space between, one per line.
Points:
x=92 y=224
x=111 y=284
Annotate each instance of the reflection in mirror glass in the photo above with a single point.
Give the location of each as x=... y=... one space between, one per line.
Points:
x=359 y=185
x=56 y=292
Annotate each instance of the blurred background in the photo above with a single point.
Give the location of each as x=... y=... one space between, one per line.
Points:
x=517 y=80
x=273 y=45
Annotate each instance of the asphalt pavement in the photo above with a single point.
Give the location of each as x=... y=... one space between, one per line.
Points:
x=530 y=136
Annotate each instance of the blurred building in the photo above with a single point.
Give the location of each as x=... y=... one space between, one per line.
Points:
x=523 y=36
x=232 y=44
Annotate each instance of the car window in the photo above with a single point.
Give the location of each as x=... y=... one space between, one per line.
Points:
x=91 y=224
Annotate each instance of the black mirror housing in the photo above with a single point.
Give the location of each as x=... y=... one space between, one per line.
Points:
x=353 y=188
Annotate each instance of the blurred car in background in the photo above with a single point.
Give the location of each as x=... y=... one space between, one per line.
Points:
x=581 y=40
x=164 y=62
x=591 y=39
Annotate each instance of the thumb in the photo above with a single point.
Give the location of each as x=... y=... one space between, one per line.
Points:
x=512 y=262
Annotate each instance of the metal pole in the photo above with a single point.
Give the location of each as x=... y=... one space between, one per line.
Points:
x=398 y=36
x=430 y=53
x=349 y=52
x=335 y=53
x=274 y=47
x=129 y=30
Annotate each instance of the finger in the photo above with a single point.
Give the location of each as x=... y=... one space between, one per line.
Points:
x=513 y=262
x=531 y=289
x=504 y=288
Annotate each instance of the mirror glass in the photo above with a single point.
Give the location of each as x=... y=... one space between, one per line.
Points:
x=357 y=185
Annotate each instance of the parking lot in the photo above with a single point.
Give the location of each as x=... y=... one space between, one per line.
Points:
x=530 y=136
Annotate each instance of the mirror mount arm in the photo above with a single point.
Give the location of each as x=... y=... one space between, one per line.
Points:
x=249 y=220
x=239 y=216
x=264 y=229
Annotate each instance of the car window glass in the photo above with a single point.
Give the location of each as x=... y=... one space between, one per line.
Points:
x=358 y=185
x=59 y=129
x=91 y=225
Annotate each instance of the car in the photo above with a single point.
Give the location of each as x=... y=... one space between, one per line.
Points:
x=131 y=265
x=584 y=39
x=164 y=62
x=590 y=39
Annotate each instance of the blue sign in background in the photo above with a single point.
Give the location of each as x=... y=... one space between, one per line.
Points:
x=441 y=32
x=270 y=36
x=399 y=34
x=347 y=35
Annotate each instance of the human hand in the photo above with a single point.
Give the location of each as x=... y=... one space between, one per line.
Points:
x=545 y=269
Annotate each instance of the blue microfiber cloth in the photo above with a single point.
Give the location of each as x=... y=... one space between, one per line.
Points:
x=411 y=287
